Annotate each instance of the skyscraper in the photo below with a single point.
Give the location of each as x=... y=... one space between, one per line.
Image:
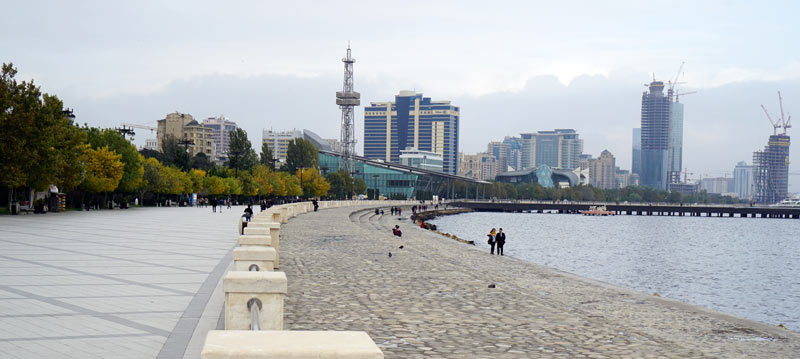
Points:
x=675 y=142
x=515 y=152
x=743 y=180
x=501 y=152
x=636 y=159
x=412 y=121
x=560 y=148
x=602 y=170
x=655 y=137
x=771 y=171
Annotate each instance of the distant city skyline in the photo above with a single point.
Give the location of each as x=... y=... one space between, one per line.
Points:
x=208 y=59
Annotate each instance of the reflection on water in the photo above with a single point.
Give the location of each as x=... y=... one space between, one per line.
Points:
x=748 y=267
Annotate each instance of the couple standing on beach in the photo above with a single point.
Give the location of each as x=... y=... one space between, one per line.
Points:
x=497 y=238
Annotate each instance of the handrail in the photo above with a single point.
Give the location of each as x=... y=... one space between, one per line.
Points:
x=254 y=268
x=254 y=322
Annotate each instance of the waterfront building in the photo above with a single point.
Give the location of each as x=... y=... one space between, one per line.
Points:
x=501 y=152
x=184 y=128
x=544 y=175
x=743 y=180
x=636 y=158
x=222 y=128
x=602 y=170
x=655 y=137
x=624 y=178
x=560 y=148
x=398 y=181
x=278 y=142
x=421 y=159
x=479 y=166
x=415 y=121
x=771 y=171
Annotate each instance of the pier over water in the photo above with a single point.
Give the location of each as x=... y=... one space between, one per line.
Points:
x=640 y=209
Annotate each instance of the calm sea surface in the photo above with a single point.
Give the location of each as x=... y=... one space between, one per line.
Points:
x=748 y=267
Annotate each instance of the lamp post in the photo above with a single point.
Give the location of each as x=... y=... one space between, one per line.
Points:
x=375 y=190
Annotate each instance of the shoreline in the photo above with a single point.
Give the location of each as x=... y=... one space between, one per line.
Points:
x=431 y=298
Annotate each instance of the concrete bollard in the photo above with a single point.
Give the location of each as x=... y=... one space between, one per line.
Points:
x=284 y=215
x=221 y=344
x=259 y=240
x=267 y=287
x=261 y=256
x=263 y=228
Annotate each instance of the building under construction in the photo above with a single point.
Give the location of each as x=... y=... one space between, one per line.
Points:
x=771 y=166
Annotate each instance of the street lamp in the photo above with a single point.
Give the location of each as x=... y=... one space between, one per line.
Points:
x=375 y=190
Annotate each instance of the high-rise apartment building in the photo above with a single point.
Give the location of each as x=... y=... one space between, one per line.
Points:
x=743 y=180
x=501 y=152
x=479 y=166
x=560 y=148
x=675 y=161
x=603 y=170
x=771 y=171
x=222 y=129
x=278 y=142
x=655 y=137
x=183 y=127
x=636 y=158
x=514 y=158
x=412 y=121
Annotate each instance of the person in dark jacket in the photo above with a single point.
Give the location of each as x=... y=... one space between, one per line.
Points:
x=501 y=241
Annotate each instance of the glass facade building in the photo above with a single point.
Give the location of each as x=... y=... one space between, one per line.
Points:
x=560 y=148
x=636 y=158
x=412 y=121
x=655 y=137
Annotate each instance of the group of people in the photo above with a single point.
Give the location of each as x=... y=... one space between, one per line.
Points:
x=497 y=238
x=397 y=211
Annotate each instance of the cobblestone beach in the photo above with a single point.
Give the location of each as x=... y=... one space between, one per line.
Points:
x=432 y=299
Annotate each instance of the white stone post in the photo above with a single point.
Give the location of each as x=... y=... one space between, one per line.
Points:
x=262 y=257
x=227 y=344
x=268 y=287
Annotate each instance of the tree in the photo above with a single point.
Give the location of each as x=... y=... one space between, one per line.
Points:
x=39 y=144
x=301 y=154
x=104 y=170
x=175 y=154
x=115 y=141
x=241 y=155
x=291 y=184
x=312 y=183
x=267 y=157
x=202 y=162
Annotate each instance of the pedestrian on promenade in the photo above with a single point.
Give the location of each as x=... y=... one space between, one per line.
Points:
x=214 y=206
x=248 y=212
x=399 y=211
x=229 y=203
x=316 y=205
x=491 y=241
x=501 y=241
x=221 y=203
x=396 y=231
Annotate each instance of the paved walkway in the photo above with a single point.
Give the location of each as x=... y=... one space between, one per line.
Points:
x=432 y=299
x=112 y=284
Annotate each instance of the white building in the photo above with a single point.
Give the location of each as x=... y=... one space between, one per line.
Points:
x=278 y=142
x=222 y=129
x=743 y=180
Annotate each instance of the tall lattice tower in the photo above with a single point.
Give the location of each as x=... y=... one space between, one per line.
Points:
x=347 y=99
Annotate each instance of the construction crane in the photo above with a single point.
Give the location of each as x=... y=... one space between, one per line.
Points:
x=686 y=174
x=678 y=94
x=675 y=81
x=781 y=122
x=785 y=122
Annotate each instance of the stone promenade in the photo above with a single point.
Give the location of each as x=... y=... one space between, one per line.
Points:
x=134 y=283
x=432 y=299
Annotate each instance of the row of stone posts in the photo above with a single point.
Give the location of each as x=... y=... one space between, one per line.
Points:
x=254 y=294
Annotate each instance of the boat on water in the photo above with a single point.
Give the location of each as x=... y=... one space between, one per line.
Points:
x=598 y=211
x=791 y=202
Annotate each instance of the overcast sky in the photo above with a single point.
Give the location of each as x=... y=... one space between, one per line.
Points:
x=512 y=66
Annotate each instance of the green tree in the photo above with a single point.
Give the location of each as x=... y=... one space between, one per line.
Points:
x=175 y=154
x=267 y=157
x=104 y=170
x=39 y=143
x=301 y=154
x=312 y=183
x=241 y=155
x=202 y=162
x=291 y=184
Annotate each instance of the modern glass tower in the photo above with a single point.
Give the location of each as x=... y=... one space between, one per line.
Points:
x=412 y=121
x=636 y=159
x=655 y=137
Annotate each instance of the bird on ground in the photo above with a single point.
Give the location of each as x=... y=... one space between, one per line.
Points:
x=401 y=247
x=390 y=254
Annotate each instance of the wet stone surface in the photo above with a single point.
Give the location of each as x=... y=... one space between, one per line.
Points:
x=432 y=299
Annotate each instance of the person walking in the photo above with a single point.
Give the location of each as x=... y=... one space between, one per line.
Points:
x=214 y=206
x=491 y=241
x=501 y=241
